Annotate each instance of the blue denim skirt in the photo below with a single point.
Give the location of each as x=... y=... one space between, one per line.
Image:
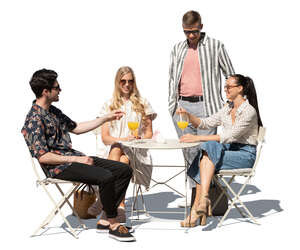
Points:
x=224 y=156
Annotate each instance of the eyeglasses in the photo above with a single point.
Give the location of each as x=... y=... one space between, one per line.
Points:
x=194 y=32
x=123 y=81
x=230 y=87
x=56 y=87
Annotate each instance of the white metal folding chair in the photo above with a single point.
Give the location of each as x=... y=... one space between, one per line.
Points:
x=57 y=205
x=245 y=172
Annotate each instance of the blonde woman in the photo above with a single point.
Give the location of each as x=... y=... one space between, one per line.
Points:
x=126 y=98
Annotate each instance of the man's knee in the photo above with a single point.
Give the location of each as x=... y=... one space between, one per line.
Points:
x=127 y=170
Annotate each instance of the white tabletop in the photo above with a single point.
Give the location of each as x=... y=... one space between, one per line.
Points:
x=151 y=144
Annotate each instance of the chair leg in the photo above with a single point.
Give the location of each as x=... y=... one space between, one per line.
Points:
x=232 y=201
x=60 y=204
x=235 y=200
x=70 y=205
x=224 y=192
x=50 y=215
x=57 y=208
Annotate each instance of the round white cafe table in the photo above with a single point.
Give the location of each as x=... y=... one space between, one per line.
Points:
x=167 y=144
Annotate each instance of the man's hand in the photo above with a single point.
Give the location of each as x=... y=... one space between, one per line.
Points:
x=189 y=138
x=84 y=159
x=115 y=115
x=84 y=127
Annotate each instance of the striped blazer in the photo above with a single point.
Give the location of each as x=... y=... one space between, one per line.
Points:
x=213 y=59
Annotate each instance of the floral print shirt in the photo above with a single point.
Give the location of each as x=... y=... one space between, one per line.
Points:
x=48 y=131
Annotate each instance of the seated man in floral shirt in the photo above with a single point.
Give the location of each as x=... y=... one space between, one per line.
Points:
x=46 y=132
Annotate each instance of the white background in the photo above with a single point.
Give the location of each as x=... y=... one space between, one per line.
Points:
x=87 y=41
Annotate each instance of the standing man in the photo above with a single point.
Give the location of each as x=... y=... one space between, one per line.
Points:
x=46 y=132
x=195 y=75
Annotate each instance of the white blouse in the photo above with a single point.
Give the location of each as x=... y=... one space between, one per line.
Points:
x=119 y=128
x=244 y=130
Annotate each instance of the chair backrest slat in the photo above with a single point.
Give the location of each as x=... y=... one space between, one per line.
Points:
x=35 y=168
x=260 y=139
x=261 y=134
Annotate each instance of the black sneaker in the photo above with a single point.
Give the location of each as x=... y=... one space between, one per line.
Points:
x=105 y=229
x=121 y=234
x=102 y=228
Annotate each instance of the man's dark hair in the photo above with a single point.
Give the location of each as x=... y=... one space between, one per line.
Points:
x=190 y=18
x=42 y=79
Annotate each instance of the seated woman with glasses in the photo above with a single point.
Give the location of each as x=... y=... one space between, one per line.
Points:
x=135 y=124
x=234 y=148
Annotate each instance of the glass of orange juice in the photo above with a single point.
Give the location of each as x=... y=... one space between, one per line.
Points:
x=183 y=121
x=133 y=123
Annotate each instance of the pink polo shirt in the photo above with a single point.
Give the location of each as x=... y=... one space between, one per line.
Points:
x=190 y=82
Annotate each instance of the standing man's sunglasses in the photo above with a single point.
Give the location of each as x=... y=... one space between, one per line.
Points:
x=194 y=32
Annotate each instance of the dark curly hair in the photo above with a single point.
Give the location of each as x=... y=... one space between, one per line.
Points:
x=42 y=79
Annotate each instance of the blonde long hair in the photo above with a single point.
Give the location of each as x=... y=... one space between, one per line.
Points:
x=134 y=97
